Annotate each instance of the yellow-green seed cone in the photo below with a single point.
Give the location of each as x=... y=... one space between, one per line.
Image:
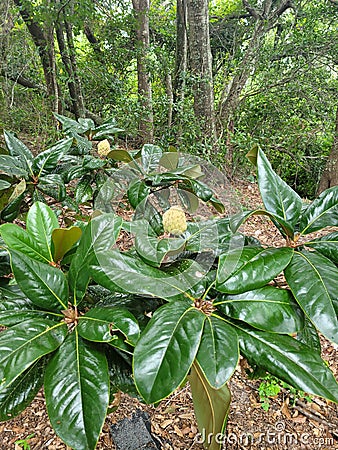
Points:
x=103 y=147
x=174 y=221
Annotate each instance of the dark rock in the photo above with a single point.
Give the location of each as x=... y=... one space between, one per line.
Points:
x=134 y=433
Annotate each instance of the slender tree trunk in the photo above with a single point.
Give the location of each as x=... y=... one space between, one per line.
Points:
x=44 y=42
x=181 y=56
x=201 y=66
x=329 y=177
x=146 y=124
x=80 y=107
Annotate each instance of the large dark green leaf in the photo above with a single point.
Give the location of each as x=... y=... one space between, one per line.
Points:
x=313 y=281
x=77 y=392
x=321 y=213
x=238 y=219
x=16 y=397
x=218 y=353
x=16 y=238
x=150 y=157
x=41 y=221
x=19 y=150
x=154 y=250
x=16 y=310
x=166 y=350
x=11 y=166
x=278 y=198
x=289 y=360
x=48 y=159
x=84 y=190
x=327 y=245
x=12 y=209
x=106 y=129
x=53 y=185
x=24 y=343
x=44 y=285
x=120 y=374
x=245 y=269
x=123 y=273
x=100 y=324
x=100 y=234
x=211 y=408
x=267 y=308
x=137 y=192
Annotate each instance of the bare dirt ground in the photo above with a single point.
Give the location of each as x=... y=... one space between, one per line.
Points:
x=289 y=423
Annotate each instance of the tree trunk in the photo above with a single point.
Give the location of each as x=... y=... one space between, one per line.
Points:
x=201 y=66
x=44 y=42
x=146 y=123
x=329 y=177
x=181 y=56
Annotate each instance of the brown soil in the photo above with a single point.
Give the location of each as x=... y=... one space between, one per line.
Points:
x=289 y=423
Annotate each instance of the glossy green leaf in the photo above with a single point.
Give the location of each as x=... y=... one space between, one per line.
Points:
x=123 y=273
x=16 y=397
x=211 y=408
x=16 y=238
x=120 y=155
x=84 y=190
x=41 y=221
x=189 y=201
x=238 y=219
x=53 y=185
x=70 y=124
x=63 y=240
x=16 y=310
x=313 y=282
x=267 y=308
x=154 y=250
x=100 y=234
x=11 y=166
x=106 y=129
x=101 y=323
x=289 y=360
x=169 y=160
x=44 y=285
x=326 y=245
x=19 y=150
x=12 y=209
x=278 y=197
x=24 y=343
x=137 y=192
x=321 y=213
x=218 y=352
x=4 y=185
x=47 y=160
x=217 y=204
x=19 y=189
x=167 y=349
x=150 y=157
x=120 y=374
x=77 y=392
x=309 y=336
x=92 y=163
x=245 y=269
x=200 y=189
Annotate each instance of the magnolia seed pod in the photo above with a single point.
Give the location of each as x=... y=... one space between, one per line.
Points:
x=174 y=221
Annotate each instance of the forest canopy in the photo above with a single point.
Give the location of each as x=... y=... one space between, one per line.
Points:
x=209 y=78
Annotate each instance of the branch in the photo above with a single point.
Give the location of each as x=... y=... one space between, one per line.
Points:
x=22 y=81
x=252 y=11
x=286 y=4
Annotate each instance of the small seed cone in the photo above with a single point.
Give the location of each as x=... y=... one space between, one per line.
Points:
x=174 y=221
